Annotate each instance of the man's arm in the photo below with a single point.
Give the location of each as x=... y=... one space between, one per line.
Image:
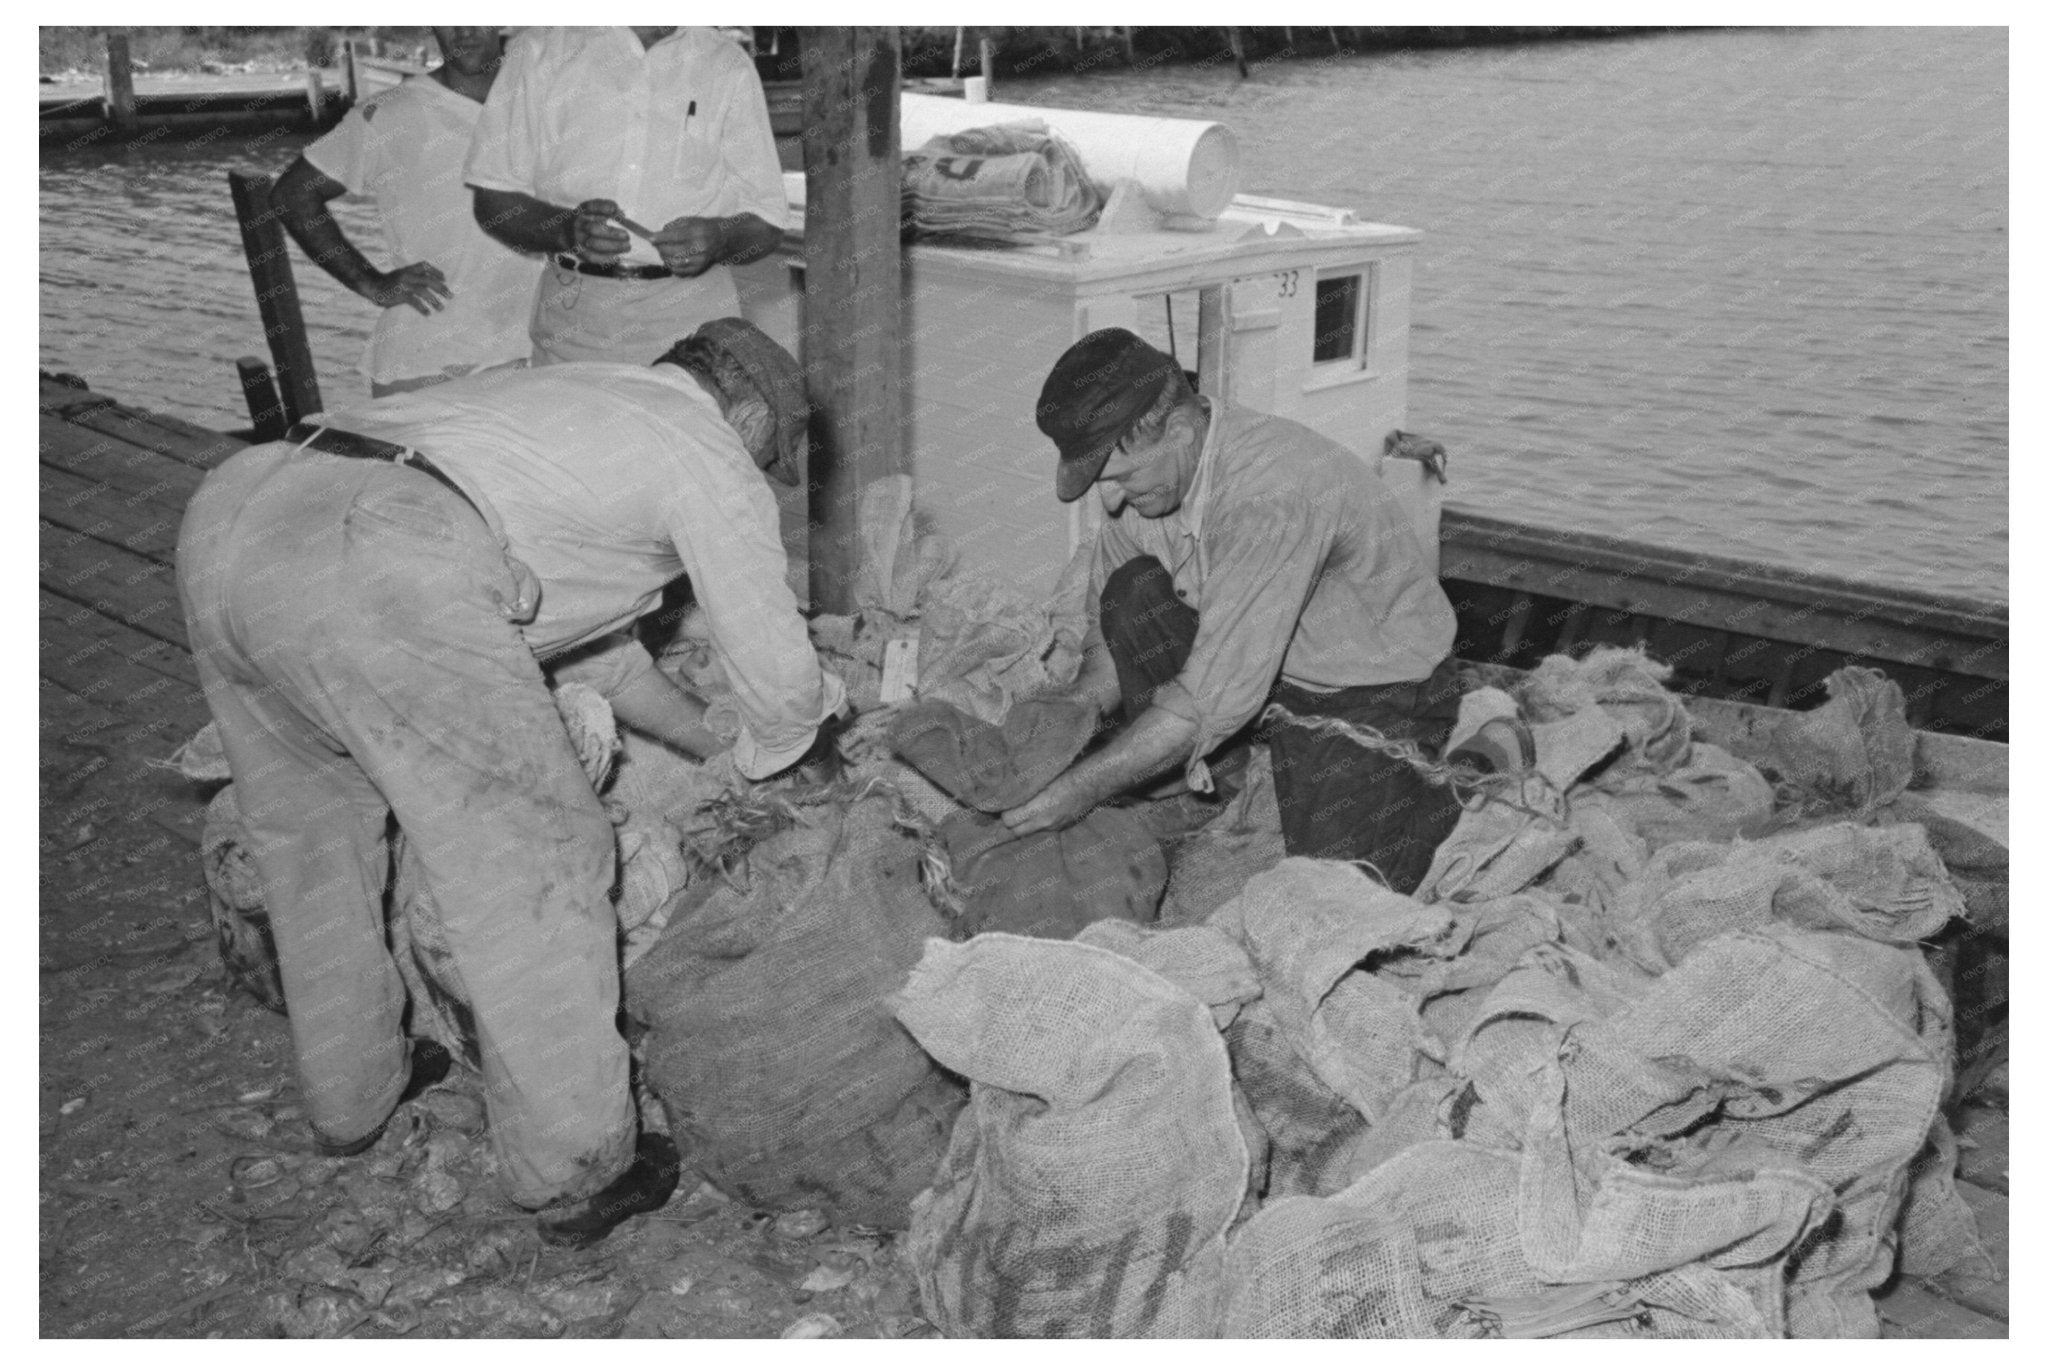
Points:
x=301 y=195
x=1156 y=742
x=525 y=223
x=691 y=246
x=652 y=703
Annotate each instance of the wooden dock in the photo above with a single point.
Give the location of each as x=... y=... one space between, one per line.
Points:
x=117 y=677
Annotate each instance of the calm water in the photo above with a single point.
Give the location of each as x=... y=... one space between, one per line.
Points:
x=1741 y=292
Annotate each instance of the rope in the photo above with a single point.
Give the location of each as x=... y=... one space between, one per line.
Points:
x=1463 y=781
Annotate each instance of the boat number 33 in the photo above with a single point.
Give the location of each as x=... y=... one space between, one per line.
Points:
x=1290 y=282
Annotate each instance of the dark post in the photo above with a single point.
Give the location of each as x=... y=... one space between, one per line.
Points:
x=120 y=82
x=277 y=298
x=959 y=50
x=988 y=65
x=853 y=288
x=266 y=409
x=348 y=70
x=1237 y=51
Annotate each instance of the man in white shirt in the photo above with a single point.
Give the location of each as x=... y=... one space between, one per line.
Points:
x=642 y=161
x=371 y=604
x=459 y=300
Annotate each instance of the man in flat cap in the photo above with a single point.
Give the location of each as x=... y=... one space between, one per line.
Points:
x=1248 y=559
x=376 y=603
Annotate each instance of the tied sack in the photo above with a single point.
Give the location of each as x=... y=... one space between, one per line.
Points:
x=1333 y=1038
x=1089 y=1182
x=1049 y=884
x=770 y=1044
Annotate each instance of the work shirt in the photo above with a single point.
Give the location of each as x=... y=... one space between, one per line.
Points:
x=607 y=481
x=1302 y=564
x=404 y=148
x=678 y=129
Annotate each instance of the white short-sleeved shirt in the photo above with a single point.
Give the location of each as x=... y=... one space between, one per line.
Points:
x=404 y=149
x=678 y=129
x=608 y=481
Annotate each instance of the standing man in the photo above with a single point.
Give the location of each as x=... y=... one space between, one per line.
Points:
x=459 y=302
x=641 y=161
x=370 y=604
x=1247 y=558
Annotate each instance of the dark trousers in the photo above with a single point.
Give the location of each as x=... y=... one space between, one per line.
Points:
x=1337 y=799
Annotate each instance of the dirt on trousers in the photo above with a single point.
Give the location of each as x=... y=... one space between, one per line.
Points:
x=178 y=1192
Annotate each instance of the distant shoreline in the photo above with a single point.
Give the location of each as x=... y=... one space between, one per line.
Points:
x=76 y=52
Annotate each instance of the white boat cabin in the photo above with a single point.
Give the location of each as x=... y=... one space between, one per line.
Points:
x=1291 y=308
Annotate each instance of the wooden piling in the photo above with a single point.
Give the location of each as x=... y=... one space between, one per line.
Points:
x=348 y=70
x=1237 y=52
x=120 y=82
x=277 y=296
x=959 y=50
x=266 y=409
x=853 y=289
x=988 y=64
x=315 y=95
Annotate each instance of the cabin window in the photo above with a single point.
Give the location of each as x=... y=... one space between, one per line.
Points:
x=1340 y=319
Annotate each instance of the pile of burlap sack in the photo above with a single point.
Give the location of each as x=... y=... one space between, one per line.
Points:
x=1012 y=182
x=1653 y=1051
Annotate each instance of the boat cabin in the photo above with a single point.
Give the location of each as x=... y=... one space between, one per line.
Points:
x=1295 y=309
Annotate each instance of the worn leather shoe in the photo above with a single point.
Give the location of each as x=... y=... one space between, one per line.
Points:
x=430 y=1065
x=645 y=1187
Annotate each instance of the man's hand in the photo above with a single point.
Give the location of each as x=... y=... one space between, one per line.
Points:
x=691 y=246
x=597 y=239
x=420 y=284
x=1062 y=803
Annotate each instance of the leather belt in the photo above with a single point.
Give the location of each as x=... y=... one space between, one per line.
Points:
x=613 y=271
x=352 y=446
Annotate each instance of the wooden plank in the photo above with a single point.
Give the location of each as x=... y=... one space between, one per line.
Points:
x=81 y=504
x=853 y=294
x=1913 y=1312
x=136 y=475
x=183 y=441
x=1985 y=1138
x=79 y=646
x=1945 y=632
x=138 y=592
x=1746 y=729
x=130 y=701
x=1990 y=1297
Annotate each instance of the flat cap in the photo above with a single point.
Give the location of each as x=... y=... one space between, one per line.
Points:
x=779 y=380
x=1097 y=389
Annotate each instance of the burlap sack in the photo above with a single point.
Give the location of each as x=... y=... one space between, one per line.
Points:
x=771 y=1046
x=1815 y=1057
x=1491 y=937
x=1517 y=1029
x=1937 y=1230
x=1317 y=931
x=1207 y=964
x=1051 y=884
x=1714 y=797
x=1625 y=684
x=1212 y=865
x=1882 y=883
x=1091 y=1178
x=1854 y=751
x=992 y=767
x=1426 y=1245
x=234 y=900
